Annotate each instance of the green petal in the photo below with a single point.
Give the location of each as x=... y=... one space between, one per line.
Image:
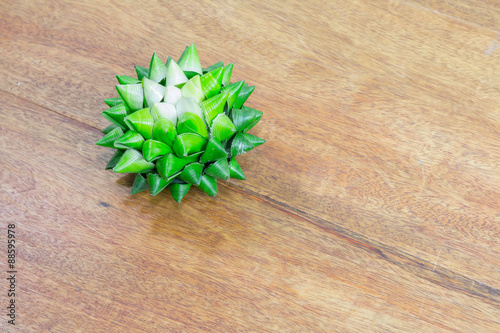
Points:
x=192 y=123
x=208 y=185
x=142 y=122
x=164 y=131
x=245 y=118
x=124 y=79
x=109 y=128
x=222 y=127
x=240 y=145
x=255 y=140
x=156 y=183
x=192 y=173
x=214 y=66
x=219 y=169
x=153 y=149
x=153 y=92
x=211 y=82
x=157 y=69
x=169 y=165
x=130 y=139
x=190 y=62
x=140 y=184
x=142 y=72
x=114 y=159
x=214 y=151
x=233 y=91
x=179 y=191
x=193 y=157
x=164 y=110
x=172 y=95
x=116 y=115
x=189 y=105
x=235 y=170
x=133 y=162
x=213 y=106
x=132 y=95
x=226 y=78
x=113 y=101
x=188 y=143
x=175 y=75
x=193 y=89
x=246 y=91
x=109 y=139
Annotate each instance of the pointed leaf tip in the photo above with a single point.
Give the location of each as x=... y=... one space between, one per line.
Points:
x=157 y=183
x=109 y=139
x=189 y=62
x=132 y=161
x=235 y=170
x=208 y=185
x=179 y=191
x=140 y=184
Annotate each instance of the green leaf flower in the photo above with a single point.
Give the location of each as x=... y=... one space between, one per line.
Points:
x=179 y=125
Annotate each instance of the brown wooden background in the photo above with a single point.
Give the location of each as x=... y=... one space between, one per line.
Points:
x=374 y=206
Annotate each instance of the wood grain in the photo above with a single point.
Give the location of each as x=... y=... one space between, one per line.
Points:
x=374 y=205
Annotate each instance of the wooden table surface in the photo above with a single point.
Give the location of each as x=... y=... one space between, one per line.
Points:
x=374 y=205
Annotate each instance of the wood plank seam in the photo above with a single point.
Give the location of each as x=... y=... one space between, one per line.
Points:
x=424 y=269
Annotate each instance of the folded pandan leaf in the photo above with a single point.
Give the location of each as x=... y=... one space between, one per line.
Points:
x=140 y=184
x=157 y=183
x=179 y=190
x=116 y=115
x=235 y=170
x=226 y=77
x=245 y=92
x=141 y=72
x=175 y=75
x=255 y=140
x=212 y=67
x=179 y=125
x=172 y=95
x=240 y=144
x=164 y=110
x=208 y=185
x=245 y=118
x=219 y=169
x=211 y=82
x=153 y=149
x=157 y=69
x=132 y=95
x=109 y=139
x=114 y=159
x=133 y=162
x=222 y=127
x=108 y=129
x=189 y=105
x=124 y=79
x=164 y=131
x=233 y=90
x=192 y=123
x=170 y=165
x=141 y=121
x=188 y=143
x=130 y=139
x=192 y=173
x=214 y=106
x=189 y=62
x=153 y=92
x=214 y=151
x=193 y=89
x=113 y=101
